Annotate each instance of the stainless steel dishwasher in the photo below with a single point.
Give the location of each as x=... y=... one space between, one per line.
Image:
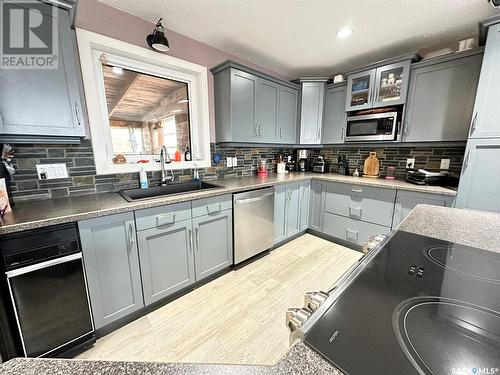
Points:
x=253 y=223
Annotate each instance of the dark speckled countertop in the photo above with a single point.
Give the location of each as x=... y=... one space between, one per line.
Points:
x=30 y=215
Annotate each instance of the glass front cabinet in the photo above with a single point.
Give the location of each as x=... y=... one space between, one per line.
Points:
x=379 y=87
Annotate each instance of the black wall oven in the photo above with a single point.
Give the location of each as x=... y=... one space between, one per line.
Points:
x=45 y=291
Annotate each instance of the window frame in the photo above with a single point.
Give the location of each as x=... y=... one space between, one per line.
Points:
x=94 y=49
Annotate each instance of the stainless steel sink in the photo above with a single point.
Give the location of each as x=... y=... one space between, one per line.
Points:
x=132 y=195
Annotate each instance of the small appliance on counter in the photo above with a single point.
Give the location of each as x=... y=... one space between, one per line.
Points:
x=371 y=166
x=262 y=167
x=319 y=165
x=424 y=177
x=290 y=164
x=302 y=160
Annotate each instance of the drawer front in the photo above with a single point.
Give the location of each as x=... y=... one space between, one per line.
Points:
x=162 y=216
x=375 y=205
x=212 y=206
x=351 y=230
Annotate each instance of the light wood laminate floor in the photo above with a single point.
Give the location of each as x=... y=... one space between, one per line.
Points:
x=238 y=318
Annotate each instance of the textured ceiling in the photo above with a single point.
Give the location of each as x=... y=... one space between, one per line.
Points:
x=298 y=37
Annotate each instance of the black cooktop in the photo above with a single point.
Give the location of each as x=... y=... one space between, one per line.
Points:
x=421 y=306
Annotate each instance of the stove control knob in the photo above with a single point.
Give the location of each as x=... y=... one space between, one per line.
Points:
x=296 y=317
x=313 y=300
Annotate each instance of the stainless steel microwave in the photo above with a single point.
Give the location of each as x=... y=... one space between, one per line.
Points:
x=372 y=127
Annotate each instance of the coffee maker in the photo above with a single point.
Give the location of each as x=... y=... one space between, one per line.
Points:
x=302 y=160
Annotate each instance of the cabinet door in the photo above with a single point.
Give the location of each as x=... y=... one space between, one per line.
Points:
x=480 y=182
x=293 y=210
x=167 y=261
x=213 y=236
x=267 y=110
x=112 y=266
x=360 y=90
x=316 y=206
x=44 y=102
x=304 y=192
x=486 y=119
x=243 y=106
x=280 y=209
x=287 y=115
x=441 y=100
x=407 y=200
x=335 y=116
x=391 y=84
x=311 y=112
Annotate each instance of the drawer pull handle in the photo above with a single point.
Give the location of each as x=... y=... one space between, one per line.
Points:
x=354 y=234
x=359 y=191
x=213 y=208
x=166 y=219
x=355 y=211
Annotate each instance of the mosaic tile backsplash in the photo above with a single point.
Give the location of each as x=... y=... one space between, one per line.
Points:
x=79 y=160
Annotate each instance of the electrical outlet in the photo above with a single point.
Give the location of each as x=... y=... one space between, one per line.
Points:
x=51 y=171
x=235 y=162
x=410 y=163
x=229 y=162
x=445 y=164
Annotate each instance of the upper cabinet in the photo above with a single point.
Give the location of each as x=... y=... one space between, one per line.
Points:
x=252 y=107
x=43 y=104
x=378 y=87
x=311 y=110
x=441 y=98
x=334 y=116
x=486 y=118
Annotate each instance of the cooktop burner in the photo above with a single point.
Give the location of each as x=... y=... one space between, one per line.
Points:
x=421 y=306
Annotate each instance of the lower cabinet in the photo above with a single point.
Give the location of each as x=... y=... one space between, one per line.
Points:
x=316 y=203
x=291 y=210
x=351 y=230
x=213 y=236
x=407 y=200
x=167 y=260
x=112 y=266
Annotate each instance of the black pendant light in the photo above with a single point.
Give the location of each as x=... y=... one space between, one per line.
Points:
x=157 y=40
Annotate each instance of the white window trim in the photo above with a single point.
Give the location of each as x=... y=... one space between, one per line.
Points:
x=92 y=48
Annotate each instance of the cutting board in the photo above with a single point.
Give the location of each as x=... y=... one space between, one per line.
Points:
x=372 y=166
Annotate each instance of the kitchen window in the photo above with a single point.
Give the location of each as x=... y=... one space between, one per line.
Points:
x=139 y=101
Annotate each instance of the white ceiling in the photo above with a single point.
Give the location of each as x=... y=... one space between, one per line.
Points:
x=298 y=37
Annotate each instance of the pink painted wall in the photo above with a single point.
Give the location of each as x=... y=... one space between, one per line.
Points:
x=102 y=19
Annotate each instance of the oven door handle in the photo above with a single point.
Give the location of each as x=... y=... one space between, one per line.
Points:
x=42 y=265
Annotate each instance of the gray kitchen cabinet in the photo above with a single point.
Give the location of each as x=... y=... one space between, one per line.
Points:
x=304 y=200
x=112 y=266
x=479 y=184
x=267 y=110
x=293 y=210
x=287 y=115
x=213 y=236
x=166 y=259
x=44 y=105
x=311 y=112
x=441 y=98
x=351 y=230
x=408 y=200
x=280 y=205
x=334 y=119
x=486 y=118
x=359 y=93
x=243 y=106
x=253 y=107
x=316 y=204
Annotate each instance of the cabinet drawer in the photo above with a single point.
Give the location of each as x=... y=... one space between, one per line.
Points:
x=162 y=216
x=350 y=230
x=210 y=206
x=375 y=205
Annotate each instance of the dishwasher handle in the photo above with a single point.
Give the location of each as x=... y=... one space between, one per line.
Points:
x=256 y=199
